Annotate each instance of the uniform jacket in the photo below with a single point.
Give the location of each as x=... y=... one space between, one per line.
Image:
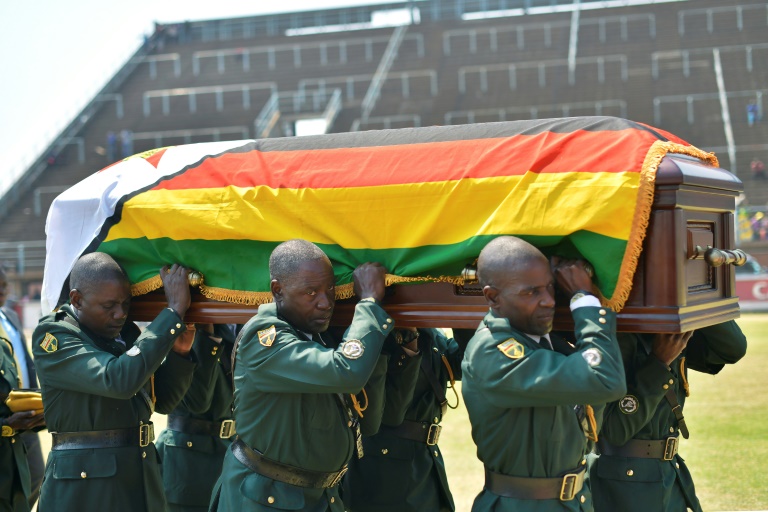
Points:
x=14 y=319
x=287 y=407
x=191 y=463
x=402 y=474
x=95 y=384
x=521 y=397
x=637 y=484
x=15 y=484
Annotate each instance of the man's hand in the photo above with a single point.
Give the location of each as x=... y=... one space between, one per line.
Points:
x=183 y=343
x=176 y=286
x=25 y=420
x=666 y=347
x=571 y=275
x=369 y=281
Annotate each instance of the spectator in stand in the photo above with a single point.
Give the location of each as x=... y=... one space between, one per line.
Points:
x=126 y=143
x=111 y=146
x=758 y=169
x=752 y=112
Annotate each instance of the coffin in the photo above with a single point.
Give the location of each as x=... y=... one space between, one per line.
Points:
x=662 y=209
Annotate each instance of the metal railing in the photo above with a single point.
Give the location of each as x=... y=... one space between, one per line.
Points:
x=386 y=122
x=193 y=92
x=685 y=56
x=710 y=11
x=374 y=89
x=600 y=108
x=325 y=104
x=689 y=100
x=23 y=256
x=215 y=134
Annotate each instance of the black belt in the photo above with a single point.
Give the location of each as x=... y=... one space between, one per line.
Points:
x=258 y=463
x=562 y=488
x=664 y=449
x=223 y=429
x=422 y=432
x=139 y=436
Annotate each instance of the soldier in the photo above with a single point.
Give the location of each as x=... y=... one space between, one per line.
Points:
x=295 y=427
x=9 y=321
x=527 y=395
x=403 y=468
x=639 y=468
x=201 y=427
x=101 y=380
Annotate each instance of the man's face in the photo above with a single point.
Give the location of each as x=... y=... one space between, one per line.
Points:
x=3 y=288
x=526 y=297
x=104 y=307
x=307 y=298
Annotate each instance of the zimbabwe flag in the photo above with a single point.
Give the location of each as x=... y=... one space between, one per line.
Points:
x=421 y=201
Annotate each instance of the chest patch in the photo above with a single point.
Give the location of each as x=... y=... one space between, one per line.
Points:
x=512 y=348
x=267 y=336
x=352 y=349
x=629 y=404
x=50 y=344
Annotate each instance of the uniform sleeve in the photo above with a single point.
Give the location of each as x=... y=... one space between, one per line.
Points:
x=75 y=365
x=293 y=365
x=645 y=390
x=202 y=389
x=711 y=348
x=402 y=375
x=593 y=374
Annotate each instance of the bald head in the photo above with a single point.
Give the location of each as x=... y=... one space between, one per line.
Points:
x=503 y=257
x=93 y=269
x=289 y=257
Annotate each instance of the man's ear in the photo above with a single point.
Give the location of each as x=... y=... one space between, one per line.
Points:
x=277 y=290
x=491 y=295
x=75 y=298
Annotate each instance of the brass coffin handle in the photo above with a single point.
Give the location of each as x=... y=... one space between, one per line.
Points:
x=718 y=257
x=195 y=278
x=469 y=274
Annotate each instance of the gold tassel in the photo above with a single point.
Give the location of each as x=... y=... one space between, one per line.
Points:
x=683 y=378
x=358 y=408
x=452 y=379
x=592 y=436
x=146 y=286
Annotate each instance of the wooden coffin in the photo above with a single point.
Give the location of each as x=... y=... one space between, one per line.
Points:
x=675 y=287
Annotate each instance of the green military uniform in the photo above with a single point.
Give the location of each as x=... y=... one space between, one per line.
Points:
x=288 y=407
x=522 y=398
x=95 y=384
x=191 y=457
x=400 y=472
x=15 y=482
x=621 y=481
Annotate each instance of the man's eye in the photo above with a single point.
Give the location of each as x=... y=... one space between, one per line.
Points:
x=312 y=293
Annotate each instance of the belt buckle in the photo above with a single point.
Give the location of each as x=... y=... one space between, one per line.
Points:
x=568 y=489
x=433 y=434
x=146 y=433
x=670 y=448
x=339 y=475
x=227 y=429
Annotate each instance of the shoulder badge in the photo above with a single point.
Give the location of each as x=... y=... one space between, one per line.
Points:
x=629 y=404
x=592 y=356
x=50 y=343
x=512 y=348
x=352 y=349
x=267 y=336
x=133 y=351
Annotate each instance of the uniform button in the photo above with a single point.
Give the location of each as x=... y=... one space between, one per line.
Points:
x=435 y=349
x=399 y=363
x=349 y=424
x=665 y=386
x=384 y=451
x=271 y=499
x=602 y=320
x=213 y=352
x=143 y=455
x=384 y=326
x=435 y=452
x=178 y=326
x=389 y=320
x=173 y=331
x=671 y=381
x=602 y=311
x=2 y=372
x=584 y=462
x=189 y=444
x=677 y=465
x=435 y=419
x=583 y=498
x=333 y=500
x=83 y=474
x=671 y=430
x=13 y=440
x=630 y=472
x=402 y=356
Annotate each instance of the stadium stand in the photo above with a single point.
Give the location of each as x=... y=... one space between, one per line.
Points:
x=690 y=67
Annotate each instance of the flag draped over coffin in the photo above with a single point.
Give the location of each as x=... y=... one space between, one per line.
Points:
x=422 y=201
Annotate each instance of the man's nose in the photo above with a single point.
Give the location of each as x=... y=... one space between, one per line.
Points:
x=547 y=299
x=326 y=300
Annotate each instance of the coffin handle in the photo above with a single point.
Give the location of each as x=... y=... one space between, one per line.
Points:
x=717 y=257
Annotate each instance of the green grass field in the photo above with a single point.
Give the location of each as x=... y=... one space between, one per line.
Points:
x=727 y=415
